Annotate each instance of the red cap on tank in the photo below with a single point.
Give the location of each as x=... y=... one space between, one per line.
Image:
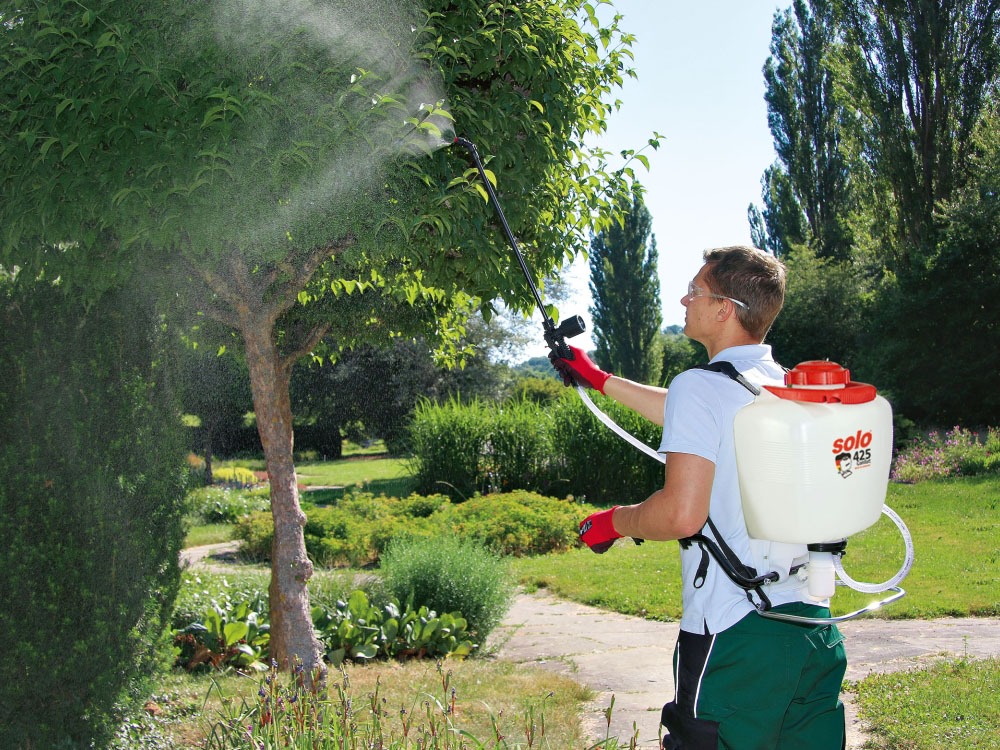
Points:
x=818 y=372
x=823 y=372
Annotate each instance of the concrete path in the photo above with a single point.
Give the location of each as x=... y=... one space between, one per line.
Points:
x=630 y=658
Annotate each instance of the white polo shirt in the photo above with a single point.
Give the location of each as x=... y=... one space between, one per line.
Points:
x=698 y=419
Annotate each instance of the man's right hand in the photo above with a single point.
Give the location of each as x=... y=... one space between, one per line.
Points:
x=581 y=369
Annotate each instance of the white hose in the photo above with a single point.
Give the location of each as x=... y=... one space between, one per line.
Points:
x=613 y=426
x=875 y=588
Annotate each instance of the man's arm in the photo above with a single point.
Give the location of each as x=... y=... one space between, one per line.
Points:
x=677 y=510
x=647 y=400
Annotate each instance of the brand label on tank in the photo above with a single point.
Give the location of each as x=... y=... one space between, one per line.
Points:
x=853 y=453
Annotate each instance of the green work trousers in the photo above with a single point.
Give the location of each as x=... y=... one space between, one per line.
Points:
x=759 y=685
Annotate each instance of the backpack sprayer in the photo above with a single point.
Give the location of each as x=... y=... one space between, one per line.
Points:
x=813 y=463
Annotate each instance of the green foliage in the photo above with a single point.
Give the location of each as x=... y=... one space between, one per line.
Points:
x=519 y=523
x=518 y=450
x=225 y=504
x=91 y=496
x=541 y=390
x=679 y=354
x=466 y=448
x=807 y=192
x=625 y=285
x=594 y=464
x=230 y=636
x=356 y=630
x=450 y=573
x=358 y=529
x=447 y=442
x=236 y=476
x=825 y=315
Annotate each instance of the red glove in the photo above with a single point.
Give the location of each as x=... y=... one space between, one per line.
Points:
x=597 y=531
x=581 y=369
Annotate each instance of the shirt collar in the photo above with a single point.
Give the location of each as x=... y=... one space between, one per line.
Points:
x=744 y=353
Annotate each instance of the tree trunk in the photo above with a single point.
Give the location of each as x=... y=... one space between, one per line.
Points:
x=207 y=432
x=292 y=635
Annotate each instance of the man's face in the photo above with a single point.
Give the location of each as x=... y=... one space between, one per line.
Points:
x=699 y=312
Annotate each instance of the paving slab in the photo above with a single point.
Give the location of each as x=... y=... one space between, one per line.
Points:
x=629 y=658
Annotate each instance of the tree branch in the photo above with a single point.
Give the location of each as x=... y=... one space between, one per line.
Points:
x=286 y=295
x=315 y=335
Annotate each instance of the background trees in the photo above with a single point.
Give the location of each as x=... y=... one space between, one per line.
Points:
x=895 y=101
x=625 y=285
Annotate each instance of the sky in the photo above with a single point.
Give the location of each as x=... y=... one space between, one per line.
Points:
x=701 y=87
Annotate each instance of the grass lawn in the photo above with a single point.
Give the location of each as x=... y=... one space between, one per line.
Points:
x=952 y=705
x=955 y=526
x=390 y=476
x=211 y=533
x=483 y=689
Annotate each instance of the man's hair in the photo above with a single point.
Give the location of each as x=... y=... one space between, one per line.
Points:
x=754 y=278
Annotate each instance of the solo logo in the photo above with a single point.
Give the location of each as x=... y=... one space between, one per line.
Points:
x=852 y=453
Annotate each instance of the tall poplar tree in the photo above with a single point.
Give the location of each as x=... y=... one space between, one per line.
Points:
x=920 y=74
x=625 y=286
x=806 y=193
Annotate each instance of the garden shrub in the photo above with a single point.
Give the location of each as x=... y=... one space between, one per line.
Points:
x=591 y=462
x=958 y=453
x=447 y=441
x=92 y=477
x=357 y=530
x=520 y=523
x=518 y=450
x=226 y=504
x=560 y=448
x=448 y=573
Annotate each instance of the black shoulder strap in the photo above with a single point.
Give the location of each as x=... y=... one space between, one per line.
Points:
x=727 y=369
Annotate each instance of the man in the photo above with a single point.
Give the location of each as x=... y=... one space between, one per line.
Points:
x=742 y=681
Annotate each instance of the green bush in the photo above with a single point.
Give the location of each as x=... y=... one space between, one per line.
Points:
x=518 y=451
x=226 y=504
x=357 y=630
x=448 y=573
x=448 y=441
x=592 y=463
x=92 y=476
x=357 y=530
x=520 y=523
x=560 y=448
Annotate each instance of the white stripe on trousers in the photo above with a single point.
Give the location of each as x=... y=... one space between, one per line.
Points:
x=704 y=666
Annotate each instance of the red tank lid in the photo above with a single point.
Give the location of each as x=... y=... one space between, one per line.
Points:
x=818 y=372
x=823 y=372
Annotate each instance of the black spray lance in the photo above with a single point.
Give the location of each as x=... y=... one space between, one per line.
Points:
x=555 y=337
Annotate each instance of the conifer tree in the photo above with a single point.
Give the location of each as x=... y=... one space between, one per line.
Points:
x=626 y=290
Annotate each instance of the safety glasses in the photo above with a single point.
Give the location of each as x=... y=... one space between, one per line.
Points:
x=697 y=291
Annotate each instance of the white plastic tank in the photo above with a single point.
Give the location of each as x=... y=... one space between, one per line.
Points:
x=813 y=456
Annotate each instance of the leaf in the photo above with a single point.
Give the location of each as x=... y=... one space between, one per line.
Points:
x=644 y=160
x=537 y=105
x=235 y=631
x=482 y=191
x=367 y=651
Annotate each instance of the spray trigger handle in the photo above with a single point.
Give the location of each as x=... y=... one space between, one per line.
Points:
x=556 y=337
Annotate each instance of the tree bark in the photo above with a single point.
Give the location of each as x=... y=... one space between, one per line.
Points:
x=292 y=634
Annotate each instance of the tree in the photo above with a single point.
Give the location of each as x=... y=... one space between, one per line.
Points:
x=807 y=192
x=919 y=74
x=625 y=285
x=679 y=354
x=91 y=511
x=271 y=165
